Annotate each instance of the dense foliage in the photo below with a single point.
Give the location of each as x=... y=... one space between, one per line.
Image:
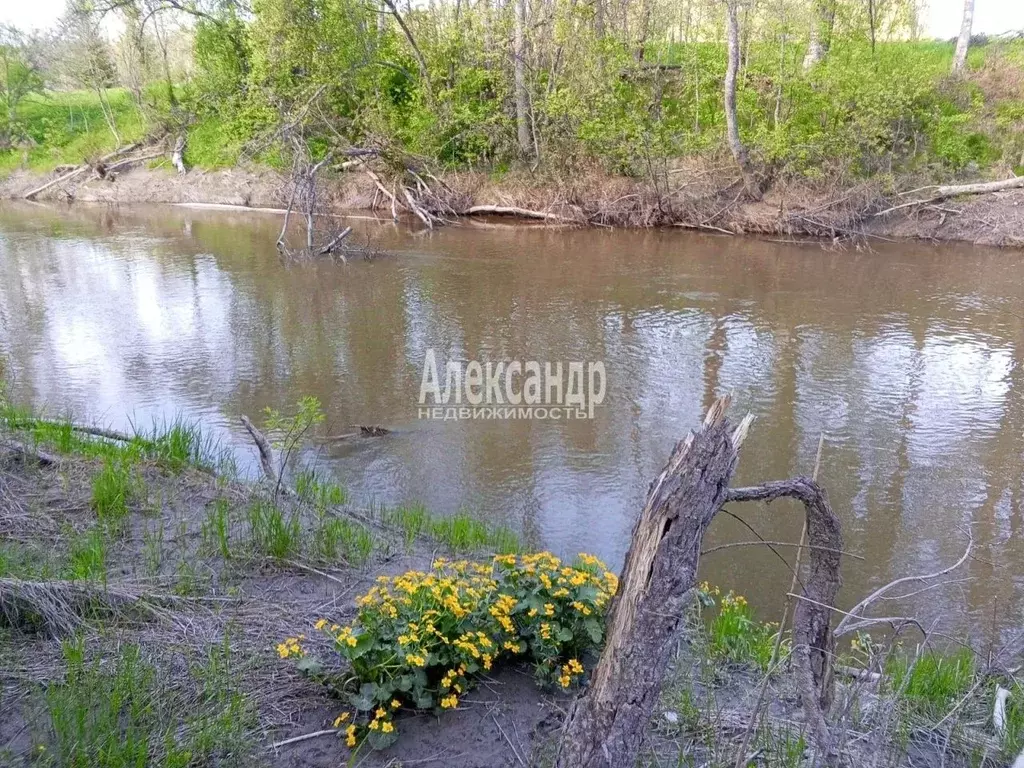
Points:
x=630 y=88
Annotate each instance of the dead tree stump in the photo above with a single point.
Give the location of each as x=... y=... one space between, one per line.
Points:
x=607 y=725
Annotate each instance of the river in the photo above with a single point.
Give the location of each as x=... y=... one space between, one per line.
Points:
x=907 y=356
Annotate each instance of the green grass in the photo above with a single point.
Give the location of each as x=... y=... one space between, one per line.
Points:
x=21 y=561
x=87 y=556
x=934 y=682
x=216 y=529
x=127 y=713
x=271 y=532
x=69 y=127
x=210 y=145
x=114 y=488
x=174 y=445
x=315 y=490
x=460 y=532
x=335 y=538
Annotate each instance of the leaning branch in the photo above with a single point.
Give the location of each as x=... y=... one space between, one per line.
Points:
x=814 y=642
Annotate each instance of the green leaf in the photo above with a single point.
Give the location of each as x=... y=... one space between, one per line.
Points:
x=364 y=699
x=594 y=629
x=381 y=740
x=364 y=642
x=310 y=666
x=563 y=635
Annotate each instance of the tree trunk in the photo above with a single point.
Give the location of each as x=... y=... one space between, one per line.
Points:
x=519 y=65
x=821 y=33
x=607 y=725
x=964 y=41
x=739 y=152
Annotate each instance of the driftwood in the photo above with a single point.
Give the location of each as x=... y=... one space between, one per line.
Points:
x=331 y=246
x=79 y=170
x=131 y=161
x=605 y=728
x=955 y=190
x=265 y=450
x=813 y=639
x=507 y=210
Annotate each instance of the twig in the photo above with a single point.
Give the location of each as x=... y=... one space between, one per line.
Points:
x=304 y=737
x=864 y=604
x=765 y=542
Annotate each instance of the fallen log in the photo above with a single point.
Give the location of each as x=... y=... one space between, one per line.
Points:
x=133 y=160
x=955 y=190
x=507 y=210
x=336 y=241
x=606 y=727
x=80 y=169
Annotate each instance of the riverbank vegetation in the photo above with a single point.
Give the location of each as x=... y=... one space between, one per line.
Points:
x=155 y=608
x=531 y=96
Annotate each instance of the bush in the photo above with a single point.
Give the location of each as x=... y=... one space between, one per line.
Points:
x=421 y=638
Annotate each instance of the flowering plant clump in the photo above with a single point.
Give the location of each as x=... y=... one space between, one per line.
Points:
x=421 y=638
x=733 y=632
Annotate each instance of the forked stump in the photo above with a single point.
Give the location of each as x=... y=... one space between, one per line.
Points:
x=606 y=727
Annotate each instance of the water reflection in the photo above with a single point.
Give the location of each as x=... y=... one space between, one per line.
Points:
x=908 y=358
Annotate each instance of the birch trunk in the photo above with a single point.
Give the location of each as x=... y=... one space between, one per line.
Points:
x=821 y=33
x=739 y=152
x=963 y=42
x=519 y=67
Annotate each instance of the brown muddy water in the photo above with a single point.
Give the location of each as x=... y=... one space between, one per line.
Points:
x=907 y=357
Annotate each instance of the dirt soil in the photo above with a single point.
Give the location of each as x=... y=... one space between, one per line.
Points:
x=163 y=551
x=699 y=199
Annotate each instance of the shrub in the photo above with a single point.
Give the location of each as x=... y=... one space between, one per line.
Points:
x=420 y=639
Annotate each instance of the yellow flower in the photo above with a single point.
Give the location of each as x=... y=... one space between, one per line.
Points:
x=340 y=719
x=374 y=725
x=450 y=702
x=381 y=712
x=387 y=728
x=350 y=732
x=321 y=624
x=395 y=703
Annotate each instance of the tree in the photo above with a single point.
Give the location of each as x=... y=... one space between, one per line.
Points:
x=739 y=152
x=821 y=32
x=963 y=42
x=85 y=60
x=19 y=76
x=519 y=67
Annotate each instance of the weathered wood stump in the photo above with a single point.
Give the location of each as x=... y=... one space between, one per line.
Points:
x=606 y=727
